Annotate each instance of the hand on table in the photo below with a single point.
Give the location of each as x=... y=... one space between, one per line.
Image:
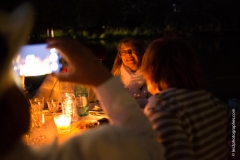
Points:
x=83 y=67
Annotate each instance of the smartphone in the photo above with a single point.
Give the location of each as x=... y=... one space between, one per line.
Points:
x=36 y=59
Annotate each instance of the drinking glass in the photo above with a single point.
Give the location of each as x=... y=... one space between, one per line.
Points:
x=66 y=87
x=37 y=103
x=53 y=106
x=28 y=137
x=37 y=117
x=69 y=107
x=38 y=122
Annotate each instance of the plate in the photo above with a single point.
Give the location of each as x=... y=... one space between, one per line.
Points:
x=87 y=124
x=94 y=107
x=97 y=113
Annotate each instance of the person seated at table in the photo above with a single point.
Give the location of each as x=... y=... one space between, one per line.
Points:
x=190 y=122
x=100 y=53
x=129 y=135
x=126 y=64
x=49 y=88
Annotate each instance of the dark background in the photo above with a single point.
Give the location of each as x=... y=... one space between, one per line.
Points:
x=210 y=26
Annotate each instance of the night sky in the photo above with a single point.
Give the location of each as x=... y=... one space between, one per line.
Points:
x=211 y=26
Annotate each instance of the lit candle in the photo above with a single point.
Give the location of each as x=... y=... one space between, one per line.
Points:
x=63 y=123
x=43 y=118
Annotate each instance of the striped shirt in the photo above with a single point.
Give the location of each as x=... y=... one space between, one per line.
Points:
x=191 y=124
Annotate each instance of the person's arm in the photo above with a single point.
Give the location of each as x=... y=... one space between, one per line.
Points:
x=121 y=107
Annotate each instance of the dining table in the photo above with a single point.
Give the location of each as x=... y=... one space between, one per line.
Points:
x=49 y=128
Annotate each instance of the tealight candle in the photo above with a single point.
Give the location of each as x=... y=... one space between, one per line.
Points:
x=63 y=123
x=43 y=118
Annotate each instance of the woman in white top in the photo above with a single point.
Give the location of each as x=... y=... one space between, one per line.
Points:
x=127 y=63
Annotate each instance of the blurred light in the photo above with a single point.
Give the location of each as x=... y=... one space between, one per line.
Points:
x=54 y=66
x=34 y=66
x=53 y=57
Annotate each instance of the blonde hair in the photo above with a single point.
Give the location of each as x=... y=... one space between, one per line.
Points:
x=118 y=60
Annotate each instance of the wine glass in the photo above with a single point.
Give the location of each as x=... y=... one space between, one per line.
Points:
x=28 y=139
x=38 y=122
x=37 y=105
x=53 y=106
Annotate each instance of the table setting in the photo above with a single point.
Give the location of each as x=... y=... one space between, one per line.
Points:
x=59 y=121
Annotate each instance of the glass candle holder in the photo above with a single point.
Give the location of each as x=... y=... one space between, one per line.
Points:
x=63 y=123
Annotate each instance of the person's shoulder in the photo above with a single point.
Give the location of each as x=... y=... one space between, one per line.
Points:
x=117 y=72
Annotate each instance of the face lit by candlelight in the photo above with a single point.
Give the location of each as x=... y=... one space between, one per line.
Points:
x=129 y=56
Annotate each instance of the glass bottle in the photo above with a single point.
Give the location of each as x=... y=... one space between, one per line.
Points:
x=66 y=87
x=81 y=96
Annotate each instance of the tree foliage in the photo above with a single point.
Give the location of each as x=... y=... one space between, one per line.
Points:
x=96 y=16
